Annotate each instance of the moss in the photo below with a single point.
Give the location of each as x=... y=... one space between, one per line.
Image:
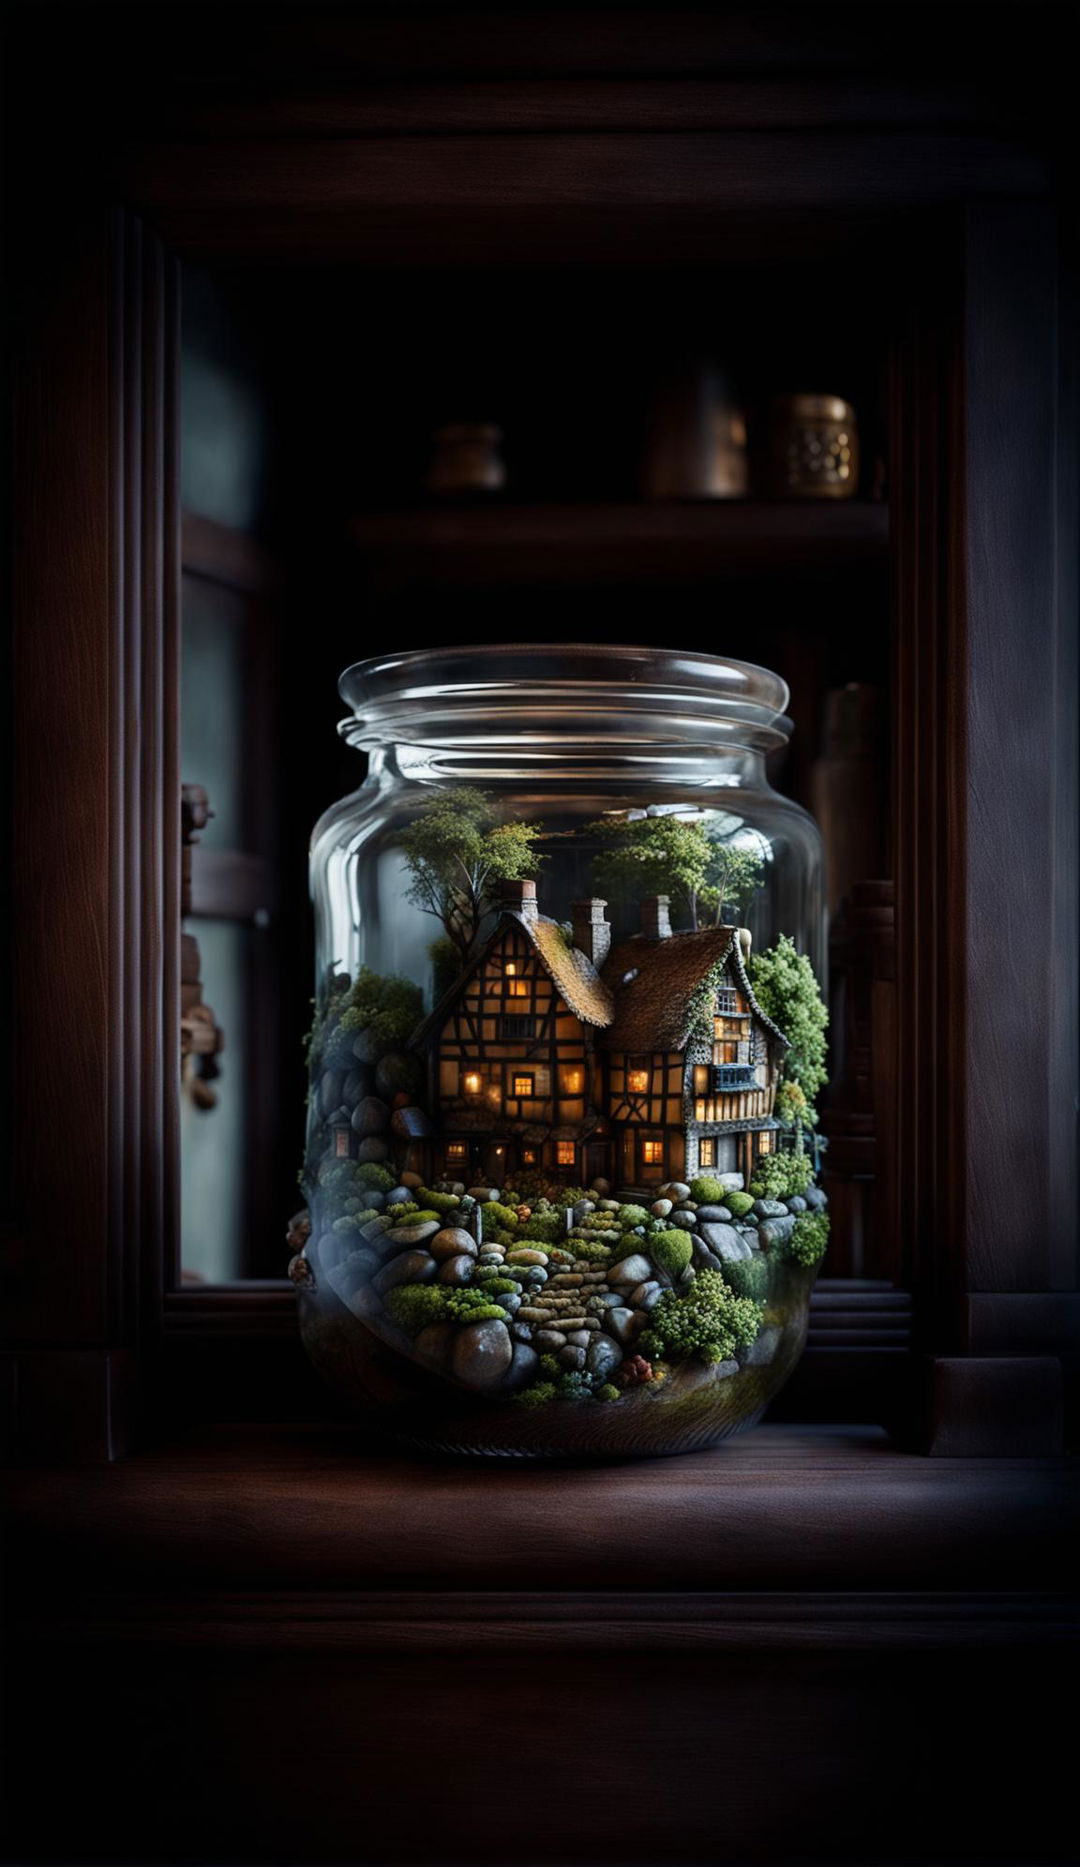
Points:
x=809 y=1238
x=748 y=1277
x=546 y=1228
x=628 y=1216
x=671 y=1251
x=369 y=1173
x=592 y=1253
x=549 y=1365
x=496 y=1286
x=496 y=1214
x=415 y=1215
x=439 y=1202
x=538 y=1395
x=738 y=1204
x=710 y=1321
x=705 y=1191
x=608 y=1392
x=781 y=1176
x=415 y=1306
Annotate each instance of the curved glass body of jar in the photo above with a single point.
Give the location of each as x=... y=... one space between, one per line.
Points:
x=423 y=1067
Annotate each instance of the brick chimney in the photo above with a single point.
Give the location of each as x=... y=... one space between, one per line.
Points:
x=521 y=897
x=592 y=930
x=655 y=924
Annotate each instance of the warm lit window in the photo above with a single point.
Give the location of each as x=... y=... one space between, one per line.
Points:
x=571 y=1079
x=701 y=1079
x=652 y=1153
x=455 y=1153
x=510 y=968
x=528 y=1157
x=765 y=1144
x=564 y=1153
x=707 y=1151
x=517 y=988
x=699 y=1109
x=637 y=1079
x=472 y=1083
x=522 y=1086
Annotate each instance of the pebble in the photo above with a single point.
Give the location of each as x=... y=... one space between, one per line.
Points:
x=364 y=1047
x=346 y=1276
x=770 y=1209
x=372 y=1147
x=609 y=1205
x=364 y=1302
x=417 y=1234
x=457 y=1270
x=452 y=1242
x=374 y=1228
x=725 y=1242
x=577 y=1338
x=549 y=1338
x=646 y=1295
x=411 y=1123
x=573 y=1358
x=370 y=1116
x=684 y=1221
x=510 y=1304
x=632 y=1270
x=410 y=1180
x=331 y=1091
x=532 y=1314
x=675 y=1189
x=601 y=1188
x=435 y=1343
x=564 y=1280
x=620 y=1323
x=524 y=1254
x=733 y=1181
x=578 y=1212
x=716 y=1215
x=773 y=1232
x=795 y=1204
x=603 y=1356
x=412 y=1267
x=524 y=1366
x=660 y=1208
x=815 y=1199
x=482 y=1353
x=482 y=1194
x=395 y=1071
x=761 y=1352
x=521 y=1331
x=399 y=1196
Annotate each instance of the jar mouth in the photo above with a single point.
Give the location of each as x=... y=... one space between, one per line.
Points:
x=564 y=694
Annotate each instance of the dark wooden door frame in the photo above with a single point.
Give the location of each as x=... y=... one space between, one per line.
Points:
x=97 y=821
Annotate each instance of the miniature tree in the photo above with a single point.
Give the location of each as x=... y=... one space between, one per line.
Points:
x=652 y=856
x=457 y=852
x=787 y=991
x=735 y=875
x=794 y=1112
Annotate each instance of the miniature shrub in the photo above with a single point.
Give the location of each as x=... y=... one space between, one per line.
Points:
x=496 y=1286
x=546 y=1228
x=781 y=1176
x=574 y=1386
x=748 y=1277
x=549 y=1365
x=387 y=1006
x=536 y=1396
x=705 y=1191
x=439 y=1202
x=787 y=991
x=629 y=1216
x=502 y=1217
x=370 y=1173
x=809 y=1238
x=609 y=1392
x=414 y=1306
x=591 y=1253
x=710 y=1321
x=738 y=1204
x=671 y=1252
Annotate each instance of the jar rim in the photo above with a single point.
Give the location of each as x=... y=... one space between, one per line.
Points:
x=564 y=693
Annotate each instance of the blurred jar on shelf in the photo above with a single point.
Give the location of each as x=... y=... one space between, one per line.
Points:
x=814 y=448
x=695 y=446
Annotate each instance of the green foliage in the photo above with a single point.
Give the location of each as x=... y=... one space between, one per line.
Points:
x=652 y=856
x=370 y=1173
x=705 y=1191
x=495 y=1214
x=499 y=1286
x=591 y=1252
x=793 y=1111
x=538 y=1395
x=545 y=1228
x=628 y=1216
x=438 y=1202
x=738 y=1204
x=671 y=1252
x=735 y=875
x=809 y=1238
x=386 y=1006
x=405 y=1213
x=710 y=1321
x=414 y=1306
x=781 y=1176
x=609 y=1392
x=787 y=991
x=445 y=965
x=549 y=1365
x=748 y=1277
x=456 y=852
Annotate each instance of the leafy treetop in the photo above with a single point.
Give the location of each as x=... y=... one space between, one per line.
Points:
x=670 y=856
x=457 y=852
x=787 y=991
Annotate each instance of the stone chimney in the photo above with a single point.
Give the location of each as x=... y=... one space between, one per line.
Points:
x=521 y=897
x=655 y=924
x=592 y=931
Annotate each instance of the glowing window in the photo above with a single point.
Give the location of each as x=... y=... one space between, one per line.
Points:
x=699 y=1109
x=564 y=1153
x=652 y=1153
x=517 y=988
x=637 y=1081
x=456 y=1151
x=510 y=968
x=522 y=1086
x=528 y=1157
x=707 y=1151
x=571 y=1079
x=472 y=1083
x=341 y=1141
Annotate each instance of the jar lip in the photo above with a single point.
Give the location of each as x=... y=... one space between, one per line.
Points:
x=561 y=693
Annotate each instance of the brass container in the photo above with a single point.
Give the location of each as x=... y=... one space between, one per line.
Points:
x=814 y=448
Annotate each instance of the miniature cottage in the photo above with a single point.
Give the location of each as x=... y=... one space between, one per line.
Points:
x=638 y=1062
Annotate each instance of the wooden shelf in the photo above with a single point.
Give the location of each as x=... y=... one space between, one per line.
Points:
x=677 y=540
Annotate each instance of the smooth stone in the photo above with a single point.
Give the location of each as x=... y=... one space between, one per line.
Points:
x=770 y=1209
x=522 y=1331
x=734 y=1181
x=482 y=1194
x=683 y=1221
x=396 y=1072
x=412 y=1267
x=601 y=1187
x=331 y=1091
x=329 y=1250
x=620 y=1323
x=646 y=1295
x=796 y=1204
x=374 y=1201
x=400 y=1196
x=511 y=1304
x=660 y=1208
x=751 y=1219
x=524 y=1254
x=435 y=1344
x=687 y=1205
x=631 y=1270
x=372 y=1147
x=715 y=1215
x=364 y=1303
x=524 y=1366
x=410 y=1180
x=482 y=1354
x=457 y=1187
x=364 y=1047
x=411 y=1123
x=452 y=1242
x=549 y=1338
x=761 y=1352
x=457 y=1270
x=370 y=1116
x=722 y=1369
x=725 y=1242
x=577 y=1338
x=773 y=1232
x=573 y=1359
x=357 y=1083
x=609 y=1205
x=815 y=1199
x=603 y=1356
x=358 y=1268
x=373 y=1230
x=677 y=1190
x=418 y=1234
x=578 y=1212
x=610 y=1299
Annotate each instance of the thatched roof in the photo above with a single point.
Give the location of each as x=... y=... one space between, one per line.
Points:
x=653 y=984
x=571 y=971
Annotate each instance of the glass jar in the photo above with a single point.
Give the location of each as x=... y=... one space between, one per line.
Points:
x=543 y=1123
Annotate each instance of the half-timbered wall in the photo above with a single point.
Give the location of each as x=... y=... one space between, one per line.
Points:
x=646 y=1087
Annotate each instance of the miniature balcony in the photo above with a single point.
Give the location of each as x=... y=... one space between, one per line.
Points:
x=727 y=1076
